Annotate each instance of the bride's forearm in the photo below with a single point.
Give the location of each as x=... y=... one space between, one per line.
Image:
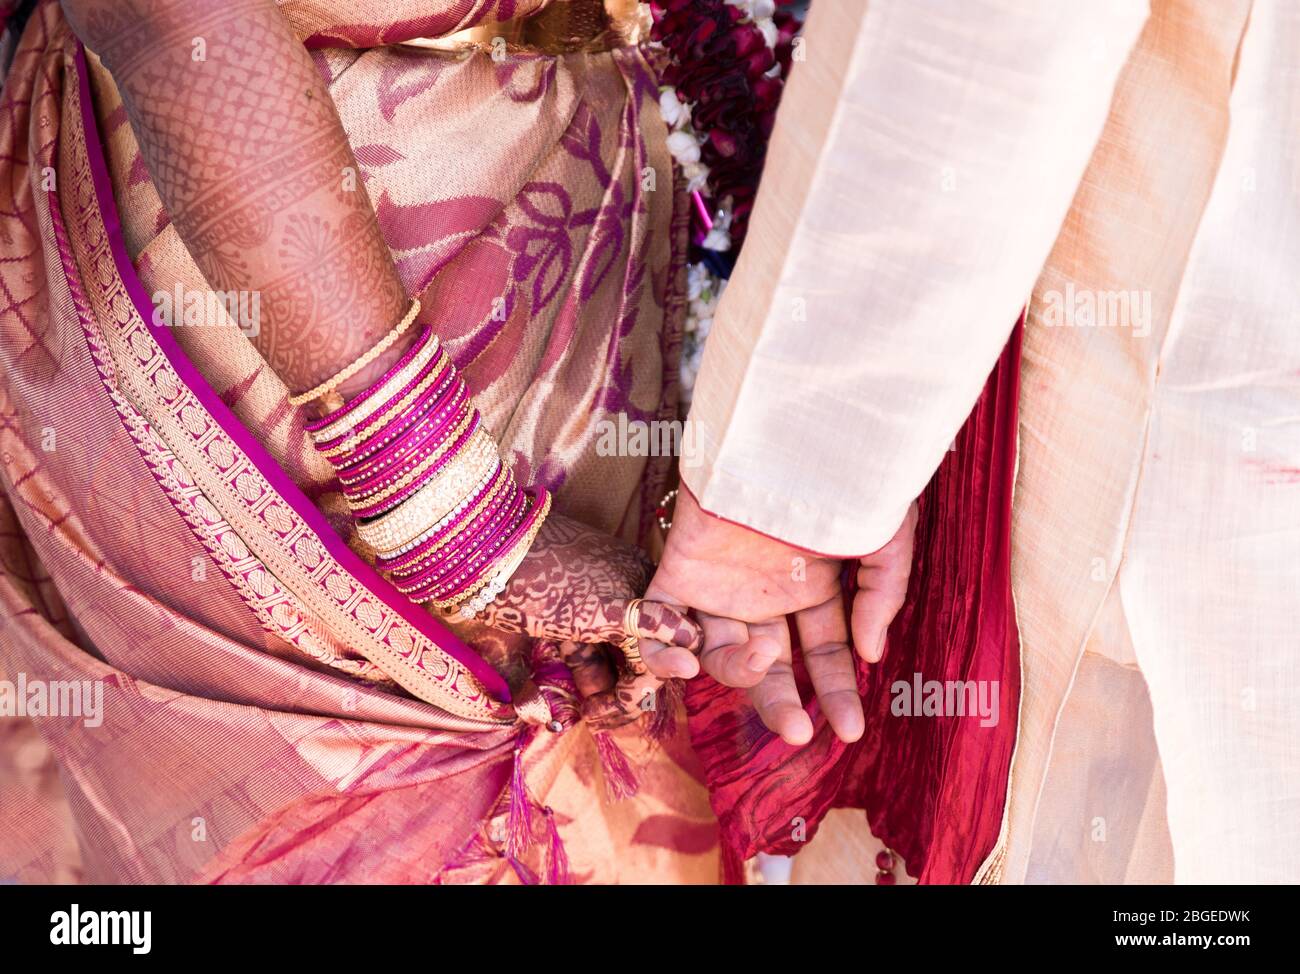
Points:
x=251 y=161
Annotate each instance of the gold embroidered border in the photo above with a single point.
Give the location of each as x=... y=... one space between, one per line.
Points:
x=229 y=489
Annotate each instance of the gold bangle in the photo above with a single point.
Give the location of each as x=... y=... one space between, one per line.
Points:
x=357 y=414
x=349 y=371
x=379 y=428
x=631 y=618
x=493 y=482
x=432 y=501
x=505 y=483
x=631 y=642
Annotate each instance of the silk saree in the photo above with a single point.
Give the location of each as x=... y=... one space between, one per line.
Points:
x=274 y=711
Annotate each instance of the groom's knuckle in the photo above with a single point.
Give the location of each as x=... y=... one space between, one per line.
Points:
x=823 y=650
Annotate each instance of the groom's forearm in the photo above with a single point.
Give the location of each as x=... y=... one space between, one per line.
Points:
x=923 y=159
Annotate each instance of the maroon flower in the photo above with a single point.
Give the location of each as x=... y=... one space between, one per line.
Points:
x=720 y=63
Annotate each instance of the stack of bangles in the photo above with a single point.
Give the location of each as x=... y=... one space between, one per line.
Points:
x=427 y=486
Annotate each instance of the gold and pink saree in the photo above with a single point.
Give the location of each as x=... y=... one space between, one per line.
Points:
x=273 y=711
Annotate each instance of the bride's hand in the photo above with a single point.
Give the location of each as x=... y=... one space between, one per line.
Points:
x=574 y=587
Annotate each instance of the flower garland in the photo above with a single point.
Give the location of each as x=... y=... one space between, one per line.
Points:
x=719 y=91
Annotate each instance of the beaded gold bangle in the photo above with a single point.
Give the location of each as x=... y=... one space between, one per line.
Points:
x=381 y=397
x=503 y=487
x=348 y=371
x=500 y=490
x=448 y=441
x=435 y=499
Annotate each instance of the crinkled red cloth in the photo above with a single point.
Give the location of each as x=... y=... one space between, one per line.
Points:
x=933 y=788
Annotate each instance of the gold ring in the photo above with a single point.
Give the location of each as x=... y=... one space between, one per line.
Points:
x=631 y=646
x=631 y=617
x=632 y=651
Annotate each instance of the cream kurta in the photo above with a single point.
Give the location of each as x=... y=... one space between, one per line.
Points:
x=931 y=161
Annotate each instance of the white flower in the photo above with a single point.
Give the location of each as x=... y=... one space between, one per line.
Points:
x=698 y=279
x=684 y=147
x=697 y=174
x=703 y=305
x=672 y=109
x=703 y=288
x=717 y=239
x=706 y=305
x=768 y=29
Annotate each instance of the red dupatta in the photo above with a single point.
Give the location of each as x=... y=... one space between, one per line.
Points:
x=934 y=788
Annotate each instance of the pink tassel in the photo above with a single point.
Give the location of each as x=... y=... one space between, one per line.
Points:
x=519 y=822
x=557 y=871
x=526 y=875
x=620 y=779
x=663 y=722
x=564 y=708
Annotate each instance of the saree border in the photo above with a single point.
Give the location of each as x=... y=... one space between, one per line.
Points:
x=212 y=457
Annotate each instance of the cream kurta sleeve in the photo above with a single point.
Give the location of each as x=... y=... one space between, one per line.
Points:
x=924 y=157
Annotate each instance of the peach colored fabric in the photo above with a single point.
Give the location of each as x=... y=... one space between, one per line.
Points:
x=227 y=754
x=933 y=164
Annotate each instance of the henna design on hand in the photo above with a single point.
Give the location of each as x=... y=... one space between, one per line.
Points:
x=575 y=584
x=574 y=587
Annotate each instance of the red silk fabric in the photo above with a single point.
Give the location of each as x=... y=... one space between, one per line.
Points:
x=933 y=788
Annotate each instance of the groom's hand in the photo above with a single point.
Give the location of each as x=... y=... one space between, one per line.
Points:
x=743 y=584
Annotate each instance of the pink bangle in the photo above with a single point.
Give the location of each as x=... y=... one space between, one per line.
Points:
x=448 y=563
x=421 y=586
x=464 y=584
x=362 y=509
x=447 y=572
x=435 y=387
x=356 y=467
x=433 y=431
x=450 y=584
x=499 y=484
x=432 y=424
x=426 y=333
x=465 y=546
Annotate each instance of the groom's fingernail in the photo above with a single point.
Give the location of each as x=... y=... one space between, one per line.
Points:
x=684 y=671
